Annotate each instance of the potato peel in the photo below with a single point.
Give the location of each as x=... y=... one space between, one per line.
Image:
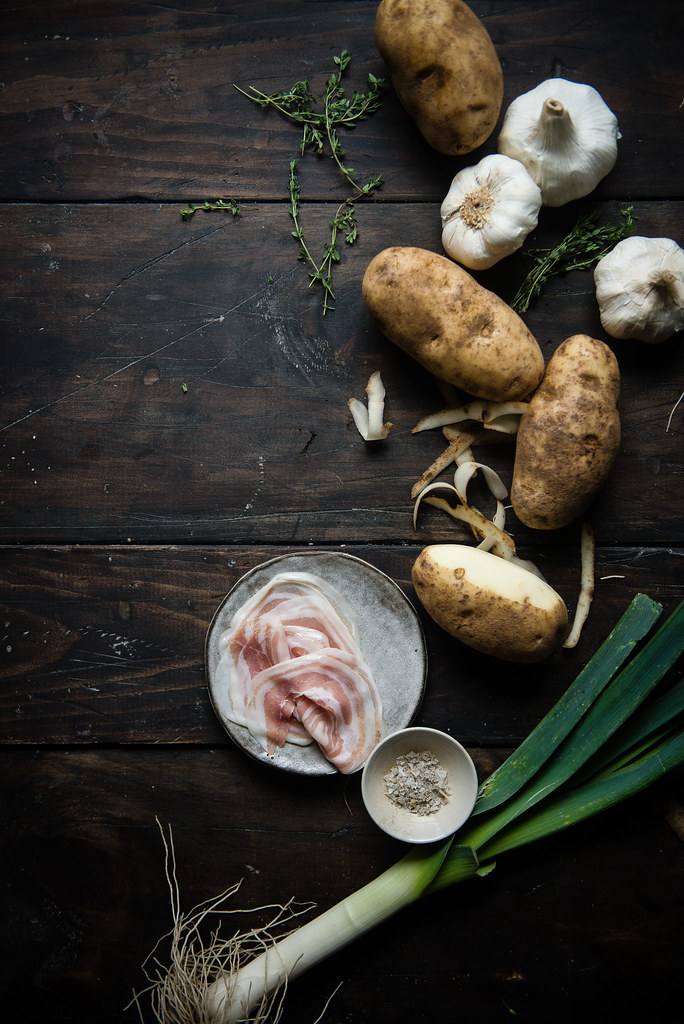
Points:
x=369 y=419
x=499 y=541
x=586 y=594
x=467 y=470
x=499 y=416
x=458 y=446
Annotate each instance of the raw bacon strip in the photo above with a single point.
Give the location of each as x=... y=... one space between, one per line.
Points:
x=261 y=642
x=331 y=693
x=304 y=640
x=288 y=585
x=279 y=620
x=294 y=625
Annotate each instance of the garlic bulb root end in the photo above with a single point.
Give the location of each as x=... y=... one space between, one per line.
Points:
x=489 y=211
x=640 y=289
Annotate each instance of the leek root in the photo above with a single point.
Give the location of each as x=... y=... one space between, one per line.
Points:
x=606 y=739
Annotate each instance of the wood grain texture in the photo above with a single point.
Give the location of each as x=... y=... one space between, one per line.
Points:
x=101 y=100
x=100 y=441
x=554 y=934
x=173 y=412
x=106 y=645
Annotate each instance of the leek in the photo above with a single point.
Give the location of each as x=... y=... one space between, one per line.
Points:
x=234 y=997
x=633 y=626
x=606 y=739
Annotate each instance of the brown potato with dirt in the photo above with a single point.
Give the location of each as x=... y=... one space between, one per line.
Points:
x=444 y=69
x=569 y=436
x=436 y=312
x=495 y=606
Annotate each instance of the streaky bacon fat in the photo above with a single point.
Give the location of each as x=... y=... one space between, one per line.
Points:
x=295 y=673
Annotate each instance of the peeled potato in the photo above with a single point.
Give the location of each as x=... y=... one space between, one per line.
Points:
x=492 y=605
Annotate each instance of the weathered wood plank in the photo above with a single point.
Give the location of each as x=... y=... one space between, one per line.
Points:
x=106 y=645
x=101 y=442
x=584 y=926
x=173 y=412
x=100 y=101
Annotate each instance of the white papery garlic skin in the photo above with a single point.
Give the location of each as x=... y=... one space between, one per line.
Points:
x=489 y=211
x=565 y=135
x=640 y=289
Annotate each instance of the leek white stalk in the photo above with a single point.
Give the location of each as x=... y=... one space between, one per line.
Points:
x=234 y=998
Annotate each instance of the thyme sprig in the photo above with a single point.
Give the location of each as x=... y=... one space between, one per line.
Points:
x=219 y=204
x=581 y=248
x=320 y=128
x=344 y=222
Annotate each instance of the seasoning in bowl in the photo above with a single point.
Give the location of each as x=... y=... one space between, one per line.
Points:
x=418 y=782
x=419 y=785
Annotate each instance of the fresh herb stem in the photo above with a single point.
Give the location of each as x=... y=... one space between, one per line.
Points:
x=218 y=204
x=320 y=128
x=581 y=248
x=343 y=220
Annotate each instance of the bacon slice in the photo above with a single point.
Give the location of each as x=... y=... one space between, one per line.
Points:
x=331 y=693
x=294 y=671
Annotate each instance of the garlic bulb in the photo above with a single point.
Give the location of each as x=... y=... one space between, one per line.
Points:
x=640 y=289
x=489 y=211
x=566 y=137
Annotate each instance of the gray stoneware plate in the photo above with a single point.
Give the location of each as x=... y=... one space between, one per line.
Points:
x=391 y=639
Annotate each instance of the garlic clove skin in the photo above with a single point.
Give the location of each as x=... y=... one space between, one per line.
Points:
x=489 y=211
x=565 y=135
x=640 y=289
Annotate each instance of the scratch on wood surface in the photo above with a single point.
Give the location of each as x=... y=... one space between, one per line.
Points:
x=114 y=373
x=148 y=264
x=303 y=351
x=308 y=353
x=85 y=387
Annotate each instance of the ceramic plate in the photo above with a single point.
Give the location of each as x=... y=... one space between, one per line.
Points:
x=391 y=639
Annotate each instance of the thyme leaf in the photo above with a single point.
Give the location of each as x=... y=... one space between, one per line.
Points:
x=219 y=204
x=581 y=248
x=320 y=130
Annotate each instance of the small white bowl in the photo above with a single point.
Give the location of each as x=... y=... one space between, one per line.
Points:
x=401 y=823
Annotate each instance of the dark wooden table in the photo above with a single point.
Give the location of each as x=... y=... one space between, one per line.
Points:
x=174 y=412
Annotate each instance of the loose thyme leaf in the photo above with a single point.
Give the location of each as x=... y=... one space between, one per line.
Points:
x=581 y=248
x=219 y=204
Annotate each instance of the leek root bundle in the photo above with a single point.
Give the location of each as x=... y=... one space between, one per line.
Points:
x=610 y=735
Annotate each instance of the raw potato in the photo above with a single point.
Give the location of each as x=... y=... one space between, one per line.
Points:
x=569 y=437
x=495 y=606
x=444 y=69
x=436 y=312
